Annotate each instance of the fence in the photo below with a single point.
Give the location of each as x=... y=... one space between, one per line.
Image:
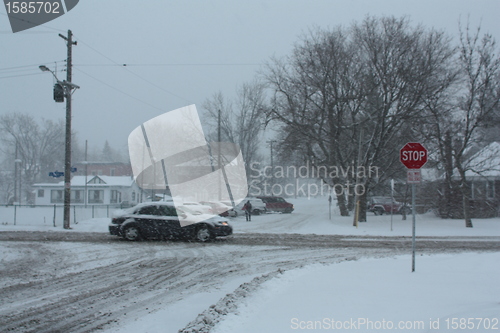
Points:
x=52 y=214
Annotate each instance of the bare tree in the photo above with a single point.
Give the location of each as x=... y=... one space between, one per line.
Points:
x=241 y=120
x=478 y=101
x=40 y=146
x=349 y=96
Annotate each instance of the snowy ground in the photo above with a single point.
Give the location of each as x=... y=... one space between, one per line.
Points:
x=310 y=217
x=381 y=295
x=252 y=288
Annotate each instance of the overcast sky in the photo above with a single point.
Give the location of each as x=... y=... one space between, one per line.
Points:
x=178 y=52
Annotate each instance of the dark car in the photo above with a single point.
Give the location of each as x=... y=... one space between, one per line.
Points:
x=162 y=220
x=386 y=205
x=277 y=204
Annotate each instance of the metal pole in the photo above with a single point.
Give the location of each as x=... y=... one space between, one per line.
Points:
x=15 y=175
x=85 y=195
x=413 y=228
x=272 y=169
x=392 y=201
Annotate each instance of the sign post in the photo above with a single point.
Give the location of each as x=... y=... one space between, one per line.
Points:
x=413 y=156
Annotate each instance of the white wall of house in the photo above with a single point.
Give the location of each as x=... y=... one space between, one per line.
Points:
x=100 y=190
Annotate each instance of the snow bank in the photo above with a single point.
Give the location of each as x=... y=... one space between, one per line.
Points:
x=372 y=295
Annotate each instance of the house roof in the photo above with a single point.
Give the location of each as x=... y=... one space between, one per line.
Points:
x=105 y=181
x=485 y=163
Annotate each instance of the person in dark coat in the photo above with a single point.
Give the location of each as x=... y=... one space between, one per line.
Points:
x=248 y=210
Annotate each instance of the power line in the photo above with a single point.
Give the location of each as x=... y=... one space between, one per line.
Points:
x=33 y=23
x=30 y=66
x=168 y=65
x=120 y=91
x=12 y=76
x=135 y=74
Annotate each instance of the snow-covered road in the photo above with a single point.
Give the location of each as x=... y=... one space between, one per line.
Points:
x=84 y=280
x=87 y=282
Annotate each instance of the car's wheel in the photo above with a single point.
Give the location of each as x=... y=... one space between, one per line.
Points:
x=256 y=212
x=378 y=211
x=203 y=234
x=132 y=233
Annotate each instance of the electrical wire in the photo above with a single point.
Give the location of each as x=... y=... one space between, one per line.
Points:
x=168 y=65
x=119 y=90
x=133 y=73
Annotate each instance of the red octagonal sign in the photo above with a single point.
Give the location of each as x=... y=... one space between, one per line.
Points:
x=413 y=155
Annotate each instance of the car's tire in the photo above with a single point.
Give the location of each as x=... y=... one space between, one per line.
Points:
x=378 y=211
x=132 y=233
x=256 y=212
x=203 y=234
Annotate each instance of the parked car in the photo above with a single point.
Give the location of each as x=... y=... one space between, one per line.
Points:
x=162 y=220
x=258 y=206
x=232 y=212
x=386 y=205
x=218 y=207
x=198 y=207
x=277 y=204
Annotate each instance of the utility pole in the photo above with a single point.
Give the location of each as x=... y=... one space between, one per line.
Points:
x=272 y=166
x=218 y=155
x=67 y=158
x=16 y=161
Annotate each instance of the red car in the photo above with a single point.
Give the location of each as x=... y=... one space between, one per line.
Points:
x=277 y=204
x=386 y=205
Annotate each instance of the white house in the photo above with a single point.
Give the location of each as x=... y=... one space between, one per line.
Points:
x=97 y=190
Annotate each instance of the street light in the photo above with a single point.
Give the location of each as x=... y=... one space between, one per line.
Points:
x=67 y=88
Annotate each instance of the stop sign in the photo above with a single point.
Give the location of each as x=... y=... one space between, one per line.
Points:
x=413 y=155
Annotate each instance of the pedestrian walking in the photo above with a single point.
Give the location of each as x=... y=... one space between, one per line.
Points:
x=248 y=210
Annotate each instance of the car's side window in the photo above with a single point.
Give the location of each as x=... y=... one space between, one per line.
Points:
x=148 y=210
x=170 y=211
x=167 y=211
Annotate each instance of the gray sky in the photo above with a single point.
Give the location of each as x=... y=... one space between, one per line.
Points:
x=179 y=52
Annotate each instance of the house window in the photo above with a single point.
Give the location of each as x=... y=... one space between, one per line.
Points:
x=96 y=196
x=41 y=193
x=77 y=196
x=112 y=172
x=116 y=196
x=490 y=190
x=56 y=196
x=133 y=196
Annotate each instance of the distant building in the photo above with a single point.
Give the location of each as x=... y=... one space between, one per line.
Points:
x=103 y=169
x=98 y=190
x=483 y=178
